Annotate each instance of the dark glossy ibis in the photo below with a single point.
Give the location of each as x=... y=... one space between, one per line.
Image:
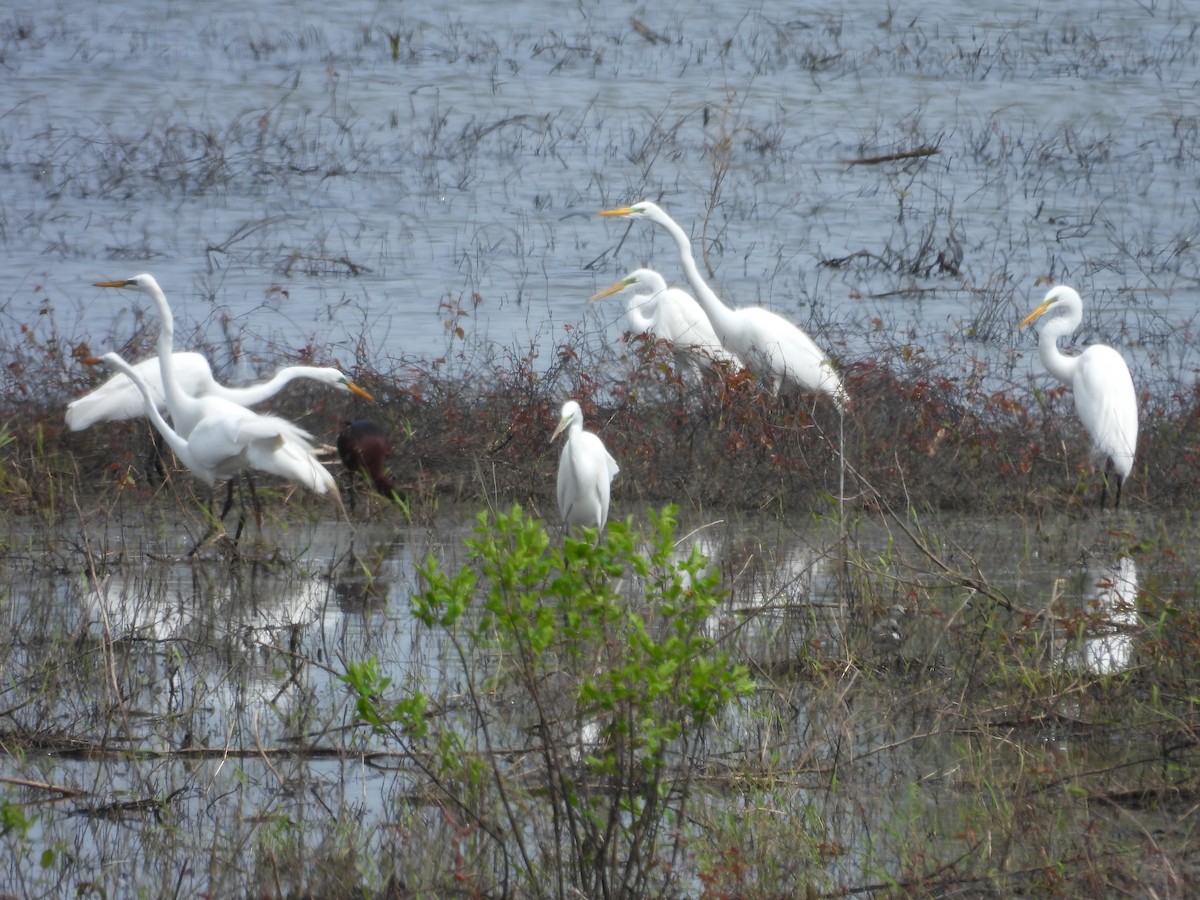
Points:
x=364 y=447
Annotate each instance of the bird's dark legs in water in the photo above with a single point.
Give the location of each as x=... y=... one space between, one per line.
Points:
x=235 y=483
x=1108 y=467
x=228 y=499
x=246 y=483
x=154 y=462
x=230 y=487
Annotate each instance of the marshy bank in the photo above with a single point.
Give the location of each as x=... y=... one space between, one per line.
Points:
x=963 y=677
x=938 y=670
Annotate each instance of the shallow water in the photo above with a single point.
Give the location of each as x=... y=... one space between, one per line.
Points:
x=225 y=666
x=277 y=168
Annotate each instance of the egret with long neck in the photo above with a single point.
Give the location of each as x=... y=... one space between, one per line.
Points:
x=1098 y=377
x=117 y=399
x=221 y=446
x=768 y=345
x=585 y=472
x=268 y=443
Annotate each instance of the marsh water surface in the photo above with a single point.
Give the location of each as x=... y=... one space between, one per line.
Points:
x=337 y=172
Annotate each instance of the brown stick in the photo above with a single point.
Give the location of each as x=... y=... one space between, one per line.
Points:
x=42 y=786
x=923 y=150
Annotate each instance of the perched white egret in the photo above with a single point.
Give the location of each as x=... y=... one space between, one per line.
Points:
x=585 y=472
x=117 y=399
x=223 y=445
x=767 y=344
x=1104 y=395
x=670 y=314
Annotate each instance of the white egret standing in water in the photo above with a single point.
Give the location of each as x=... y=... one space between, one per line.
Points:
x=585 y=472
x=1098 y=377
x=232 y=425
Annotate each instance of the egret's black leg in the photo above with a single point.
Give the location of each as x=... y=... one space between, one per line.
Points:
x=1108 y=467
x=154 y=462
x=246 y=483
x=258 y=513
x=241 y=520
x=229 y=488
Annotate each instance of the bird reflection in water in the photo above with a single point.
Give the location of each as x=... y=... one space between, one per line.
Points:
x=1105 y=644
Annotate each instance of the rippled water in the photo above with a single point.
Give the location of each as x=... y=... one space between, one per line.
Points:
x=281 y=166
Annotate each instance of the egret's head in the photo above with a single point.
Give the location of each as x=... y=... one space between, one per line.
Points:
x=1058 y=297
x=112 y=360
x=355 y=389
x=647 y=278
x=143 y=282
x=571 y=413
x=639 y=210
x=341 y=381
x=614 y=288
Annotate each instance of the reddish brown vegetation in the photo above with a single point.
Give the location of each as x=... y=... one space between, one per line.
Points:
x=477 y=425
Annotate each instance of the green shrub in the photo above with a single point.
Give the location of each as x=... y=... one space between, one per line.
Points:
x=599 y=649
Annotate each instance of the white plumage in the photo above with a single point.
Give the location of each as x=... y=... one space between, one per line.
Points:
x=222 y=446
x=768 y=345
x=1099 y=378
x=672 y=315
x=117 y=399
x=218 y=437
x=585 y=472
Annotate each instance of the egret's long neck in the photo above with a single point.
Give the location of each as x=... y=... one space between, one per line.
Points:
x=720 y=315
x=639 y=310
x=257 y=393
x=181 y=405
x=177 y=443
x=1056 y=362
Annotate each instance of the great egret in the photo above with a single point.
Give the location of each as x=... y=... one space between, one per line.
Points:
x=670 y=314
x=364 y=448
x=187 y=411
x=1104 y=395
x=117 y=399
x=767 y=344
x=223 y=445
x=585 y=472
